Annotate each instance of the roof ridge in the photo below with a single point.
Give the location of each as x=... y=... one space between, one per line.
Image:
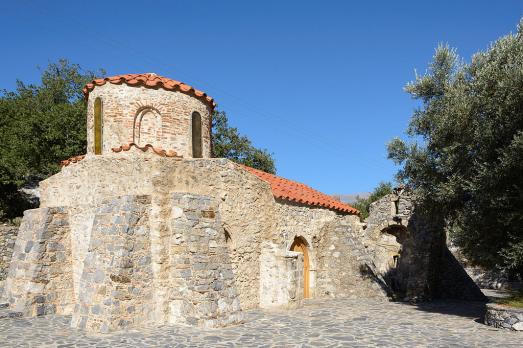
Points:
x=150 y=80
x=295 y=191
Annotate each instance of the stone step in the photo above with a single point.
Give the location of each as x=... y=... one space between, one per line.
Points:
x=7 y=314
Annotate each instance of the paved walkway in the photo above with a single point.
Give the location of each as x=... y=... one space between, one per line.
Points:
x=327 y=323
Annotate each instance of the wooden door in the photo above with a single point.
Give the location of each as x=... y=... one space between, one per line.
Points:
x=299 y=246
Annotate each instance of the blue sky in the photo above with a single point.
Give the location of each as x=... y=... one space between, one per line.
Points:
x=318 y=83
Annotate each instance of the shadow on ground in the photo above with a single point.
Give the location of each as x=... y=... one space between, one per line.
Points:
x=467 y=309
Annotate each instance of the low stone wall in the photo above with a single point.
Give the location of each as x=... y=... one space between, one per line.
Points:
x=281 y=278
x=504 y=317
x=7 y=243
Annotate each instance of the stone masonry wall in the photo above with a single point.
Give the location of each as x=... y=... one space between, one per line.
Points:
x=40 y=274
x=281 y=277
x=249 y=213
x=245 y=202
x=116 y=284
x=335 y=252
x=294 y=220
x=203 y=290
x=170 y=112
x=7 y=243
x=344 y=267
x=408 y=245
x=131 y=277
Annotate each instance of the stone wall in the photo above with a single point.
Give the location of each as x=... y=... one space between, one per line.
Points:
x=249 y=213
x=169 y=114
x=116 y=284
x=504 y=317
x=7 y=243
x=40 y=274
x=298 y=221
x=336 y=255
x=204 y=291
x=281 y=277
x=483 y=277
x=345 y=269
x=130 y=274
x=131 y=277
x=245 y=202
x=409 y=248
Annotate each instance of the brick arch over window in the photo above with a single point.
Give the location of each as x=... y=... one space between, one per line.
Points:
x=147 y=127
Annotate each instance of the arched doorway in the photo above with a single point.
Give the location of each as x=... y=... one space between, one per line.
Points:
x=300 y=245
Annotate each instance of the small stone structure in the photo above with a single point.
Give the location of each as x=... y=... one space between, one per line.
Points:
x=504 y=317
x=146 y=228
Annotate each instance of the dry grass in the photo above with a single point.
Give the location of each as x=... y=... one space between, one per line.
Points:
x=515 y=300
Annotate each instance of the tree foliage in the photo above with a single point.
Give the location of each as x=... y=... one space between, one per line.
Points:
x=465 y=156
x=40 y=125
x=228 y=143
x=363 y=203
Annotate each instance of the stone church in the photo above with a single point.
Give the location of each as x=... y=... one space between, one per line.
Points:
x=148 y=228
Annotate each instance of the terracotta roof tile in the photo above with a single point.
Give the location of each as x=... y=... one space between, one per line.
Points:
x=126 y=147
x=152 y=81
x=159 y=151
x=70 y=160
x=297 y=192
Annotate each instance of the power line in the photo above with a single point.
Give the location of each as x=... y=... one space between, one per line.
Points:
x=328 y=145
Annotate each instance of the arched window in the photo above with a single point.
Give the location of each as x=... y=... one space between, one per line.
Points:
x=147 y=126
x=196 y=135
x=98 y=126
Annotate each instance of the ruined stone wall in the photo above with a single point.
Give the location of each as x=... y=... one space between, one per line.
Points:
x=7 y=243
x=409 y=249
x=169 y=116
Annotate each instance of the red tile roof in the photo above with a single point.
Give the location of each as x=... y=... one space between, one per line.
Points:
x=296 y=192
x=150 y=80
